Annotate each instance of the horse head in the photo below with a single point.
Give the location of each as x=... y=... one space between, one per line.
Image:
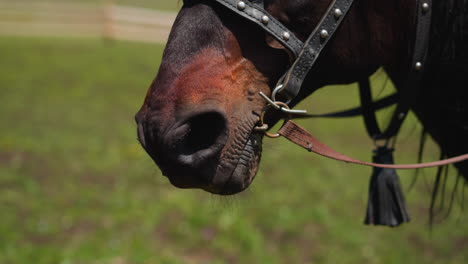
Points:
x=197 y=121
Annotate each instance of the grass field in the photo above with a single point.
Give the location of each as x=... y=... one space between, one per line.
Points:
x=169 y=5
x=75 y=186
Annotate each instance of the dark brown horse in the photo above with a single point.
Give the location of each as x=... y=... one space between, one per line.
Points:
x=198 y=118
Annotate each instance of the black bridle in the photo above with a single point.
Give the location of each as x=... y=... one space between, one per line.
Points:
x=386 y=204
x=304 y=55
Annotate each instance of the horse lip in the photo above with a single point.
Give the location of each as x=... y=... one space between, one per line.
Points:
x=185 y=183
x=141 y=134
x=233 y=185
x=230 y=185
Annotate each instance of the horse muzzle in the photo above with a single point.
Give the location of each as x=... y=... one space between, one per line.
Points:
x=187 y=151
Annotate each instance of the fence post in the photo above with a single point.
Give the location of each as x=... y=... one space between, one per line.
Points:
x=108 y=31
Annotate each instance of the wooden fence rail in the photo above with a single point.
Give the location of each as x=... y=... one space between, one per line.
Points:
x=85 y=20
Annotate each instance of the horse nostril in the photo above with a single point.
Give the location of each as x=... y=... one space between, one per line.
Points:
x=204 y=132
x=203 y=137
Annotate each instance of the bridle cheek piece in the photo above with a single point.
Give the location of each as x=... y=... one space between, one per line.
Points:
x=304 y=54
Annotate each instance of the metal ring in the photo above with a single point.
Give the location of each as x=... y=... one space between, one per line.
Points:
x=261 y=128
x=280 y=86
x=262 y=119
x=278 y=89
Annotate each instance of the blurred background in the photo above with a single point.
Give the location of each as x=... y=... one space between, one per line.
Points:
x=76 y=187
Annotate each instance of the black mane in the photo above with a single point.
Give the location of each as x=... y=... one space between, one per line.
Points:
x=443 y=106
x=446 y=81
x=449 y=40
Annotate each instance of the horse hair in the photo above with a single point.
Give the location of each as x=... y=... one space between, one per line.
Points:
x=448 y=60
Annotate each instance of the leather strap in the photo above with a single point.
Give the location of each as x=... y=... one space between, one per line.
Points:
x=356 y=111
x=368 y=113
x=294 y=78
x=259 y=3
x=255 y=13
x=298 y=135
x=412 y=87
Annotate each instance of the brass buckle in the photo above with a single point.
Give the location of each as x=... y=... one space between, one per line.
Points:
x=262 y=127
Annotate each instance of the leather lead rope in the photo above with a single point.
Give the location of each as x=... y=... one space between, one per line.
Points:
x=298 y=135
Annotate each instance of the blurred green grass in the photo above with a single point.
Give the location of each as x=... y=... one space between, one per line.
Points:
x=75 y=186
x=169 y=5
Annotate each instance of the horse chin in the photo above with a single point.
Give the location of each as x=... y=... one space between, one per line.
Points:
x=246 y=166
x=236 y=172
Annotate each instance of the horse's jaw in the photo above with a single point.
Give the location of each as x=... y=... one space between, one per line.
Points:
x=239 y=163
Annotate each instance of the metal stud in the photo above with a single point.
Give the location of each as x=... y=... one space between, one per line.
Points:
x=401 y=115
x=425 y=7
x=241 y=5
x=418 y=66
x=324 y=34
x=286 y=36
x=338 y=13
x=265 y=20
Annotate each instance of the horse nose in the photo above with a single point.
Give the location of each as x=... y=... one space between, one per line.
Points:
x=199 y=139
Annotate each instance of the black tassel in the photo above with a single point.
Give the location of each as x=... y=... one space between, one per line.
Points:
x=386 y=205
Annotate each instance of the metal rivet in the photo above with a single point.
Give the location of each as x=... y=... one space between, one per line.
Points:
x=241 y=5
x=418 y=66
x=338 y=13
x=401 y=115
x=324 y=34
x=286 y=36
x=265 y=19
x=425 y=7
